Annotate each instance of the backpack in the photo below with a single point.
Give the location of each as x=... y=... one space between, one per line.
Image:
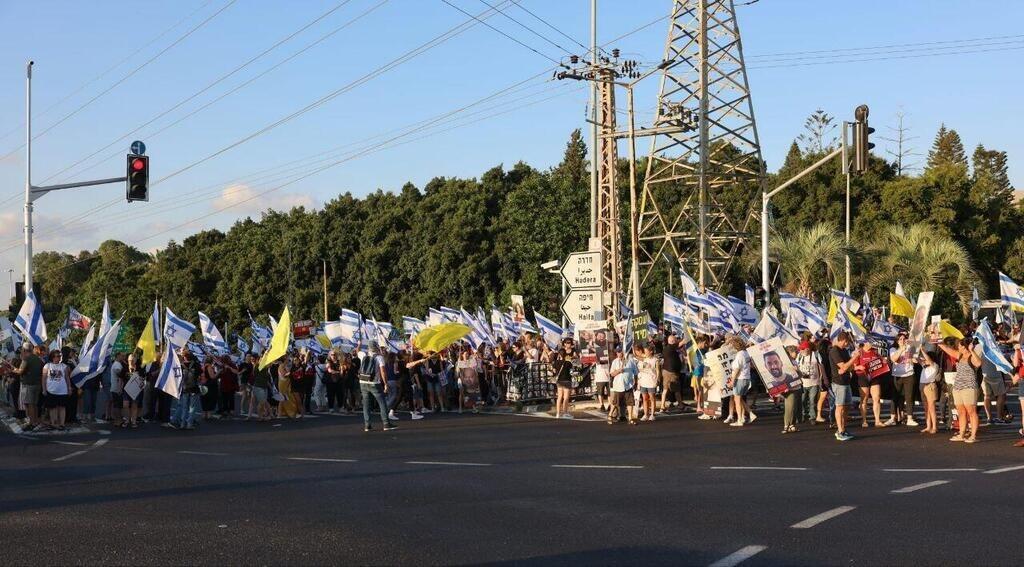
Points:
x=366 y=368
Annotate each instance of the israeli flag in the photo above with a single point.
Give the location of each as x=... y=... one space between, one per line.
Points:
x=744 y=312
x=95 y=359
x=885 y=330
x=412 y=325
x=177 y=331
x=105 y=318
x=749 y=294
x=524 y=327
x=843 y=323
x=673 y=310
x=769 y=327
x=550 y=331
x=169 y=379
x=89 y=336
x=382 y=332
x=976 y=305
x=211 y=335
x=846 y=301
x=450 y=314
x=480 y=334
x=990 y=348
x=434 y=317
x=30 y=320
x=498 y=324
x=260 y=335
x=351 y=328
x=689 y=284
x=1011 y=293
x=806 y=316
x=243 y=347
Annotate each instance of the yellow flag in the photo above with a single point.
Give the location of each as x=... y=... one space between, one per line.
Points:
x=324 y=341
x=948 y=330
x=855 y=321
x=899 y=305
x=279 y=343
x=833 y=308
x=147 y=342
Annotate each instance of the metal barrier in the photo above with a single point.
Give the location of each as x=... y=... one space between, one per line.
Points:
x=535 y=381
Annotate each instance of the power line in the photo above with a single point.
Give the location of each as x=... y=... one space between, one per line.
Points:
x=125 y=78
x=836 y=62
x=216 y=82
x=548 y=24
x=968 y=40
x=527 y=28
x=939 y=49
x=111 y=68
x=548 y=57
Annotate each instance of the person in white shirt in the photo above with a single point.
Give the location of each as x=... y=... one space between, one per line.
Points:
x=811 y=370
x=648 y=370
x=623 y=373
x=929 y=392
x=601 y=380
x=739 y=381
x=903 y=378
x=57 y=388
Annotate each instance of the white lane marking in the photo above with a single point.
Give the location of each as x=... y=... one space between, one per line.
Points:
x=597 y=466
x=202 y=453
x=102 y=432
x=822 y=517
x=929 y=470
x=317 y=460
x=448 y=464
x=922 y=486
x=99 y=443
x=76 y=443
x=1005 y=469
x=759 y=468
x=739 y=556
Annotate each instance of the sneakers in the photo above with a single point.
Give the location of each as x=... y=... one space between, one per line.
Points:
x=843 y=436
x=890 y=422
x=651 y=418
x=737 y=424
x=390 y=426
x=367 y=429
x=752 y=418
x=729 y=419
x=703 y=417
x=911 y=422
x=567 y=416
x=392 y=416
x=416 y=416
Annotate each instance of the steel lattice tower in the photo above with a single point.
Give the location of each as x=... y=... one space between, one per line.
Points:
x=607 y=222
x=705 y=139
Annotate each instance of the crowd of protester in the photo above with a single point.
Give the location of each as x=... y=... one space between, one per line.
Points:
x=945 y=380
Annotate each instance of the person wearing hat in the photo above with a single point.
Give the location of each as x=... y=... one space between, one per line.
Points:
x=373 y=385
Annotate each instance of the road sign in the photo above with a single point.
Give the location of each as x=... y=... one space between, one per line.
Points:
x=582 y=305
x=138 y=147
x=121 y=343
x=582 y=270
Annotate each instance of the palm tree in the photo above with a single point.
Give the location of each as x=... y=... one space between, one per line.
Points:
x=923 y=260
x=810 y=257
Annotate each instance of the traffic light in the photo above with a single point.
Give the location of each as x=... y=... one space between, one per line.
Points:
x=861 y=145
x=138 y=178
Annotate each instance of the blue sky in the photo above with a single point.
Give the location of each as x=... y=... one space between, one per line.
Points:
x=76 y=46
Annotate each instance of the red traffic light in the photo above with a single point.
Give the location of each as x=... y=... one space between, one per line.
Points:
x=138 y=164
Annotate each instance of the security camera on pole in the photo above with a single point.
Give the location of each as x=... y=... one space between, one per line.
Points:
x=136 y=178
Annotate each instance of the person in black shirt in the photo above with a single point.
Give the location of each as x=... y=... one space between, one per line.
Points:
x=841 y=363
x=671 y=367
x=562 y=365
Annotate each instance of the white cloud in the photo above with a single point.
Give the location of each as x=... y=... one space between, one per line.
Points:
x=246 y=200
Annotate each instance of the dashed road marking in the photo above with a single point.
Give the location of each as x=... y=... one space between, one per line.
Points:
x=321 y=460
x=76 y=443
x=1005 y=469
x=99 y=443
x=597 y=466
x=922 y=486
x=929 y=470
x=448 y=464
x=760 y=468
x=209 y=454
x=822 y=517
x=739 y=556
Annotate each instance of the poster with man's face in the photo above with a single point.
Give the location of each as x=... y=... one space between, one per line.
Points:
x=518 y=309
x=775 y=367
x=919 y=324
x=592 y=339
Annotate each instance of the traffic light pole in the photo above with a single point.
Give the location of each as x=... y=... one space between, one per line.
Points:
x=33 y=192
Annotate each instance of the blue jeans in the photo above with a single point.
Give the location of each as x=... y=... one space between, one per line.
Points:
x=373 y=392
x=393 y=390
x=809 y=406
x=89 y=397
x=184 y=412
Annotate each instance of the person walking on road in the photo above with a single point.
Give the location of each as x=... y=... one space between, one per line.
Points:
x=841 y=364
x=372 y=378
x=739 y=381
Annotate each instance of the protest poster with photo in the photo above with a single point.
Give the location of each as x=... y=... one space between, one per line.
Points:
x=716 y=371
x=592 y=339
x=518 y=309
x=919 y=324
x=134 y=386
x=775 y=367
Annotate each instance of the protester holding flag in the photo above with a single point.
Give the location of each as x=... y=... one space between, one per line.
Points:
x=965 y=389
x=57 y=390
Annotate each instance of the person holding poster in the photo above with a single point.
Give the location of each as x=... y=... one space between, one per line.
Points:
x=716 y=381
x=780 y=377
x=871 y=368
x=739 y=381
x=919 y=324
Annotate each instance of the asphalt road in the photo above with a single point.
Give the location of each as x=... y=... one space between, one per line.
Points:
x=510 y=489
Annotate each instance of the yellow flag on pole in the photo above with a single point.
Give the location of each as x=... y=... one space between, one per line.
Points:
x=147 y=342
x=948 y=330
x=900 y=305
x=279 y=342
x=833 y=308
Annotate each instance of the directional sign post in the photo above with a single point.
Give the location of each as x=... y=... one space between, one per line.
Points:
x=582 y=305
x=138 y=148
x=582 y=270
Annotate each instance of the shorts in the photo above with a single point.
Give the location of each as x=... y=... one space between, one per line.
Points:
x=567 y=385
x=417 y=393
x=434 y=387
x=993 y=388
x=669 y=381
x=53 y=401
x=646 y=390
x=116 y=397
x=741 y=387
x=127 y=400
x=930 y=390
x=623 y=398
x=965 y=397
x=601 y=389
x=863 y=382
x=28 y=396
x=843 y=394
x=259 y=394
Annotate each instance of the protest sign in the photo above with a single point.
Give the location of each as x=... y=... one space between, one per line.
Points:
x=518 y=309
x=775 y=367
x=134 y=386
x=716 y=371
x=919 y=324
x=592 y=340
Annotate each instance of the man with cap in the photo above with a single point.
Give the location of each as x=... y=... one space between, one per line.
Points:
x=373 y=385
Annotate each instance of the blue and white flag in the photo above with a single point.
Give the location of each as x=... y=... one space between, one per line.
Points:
x=885 y=330
x=843 y=322
x=550 y=331
x=743 y=312
x=624 y=311
x=413 y=326
x=30 y=320
x=976 y=305
x=260 y=335
x=197 y=350
x=382 y=333
x=351 y=330
x=749 y=294
x=769 y=327
x=524 y=327
x=449 y=314
x=105 y=318
x=434 y=317
x=177 y=331
x=1011 y=293
x=845 y=300
x=211 y=335
x=990 y=348
x=501 y=329
x=169 y=379
x=243 y=347
x=89 y=336
x=94 y=361
x=689 y=284
x=804 y=315
x=673 y=310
